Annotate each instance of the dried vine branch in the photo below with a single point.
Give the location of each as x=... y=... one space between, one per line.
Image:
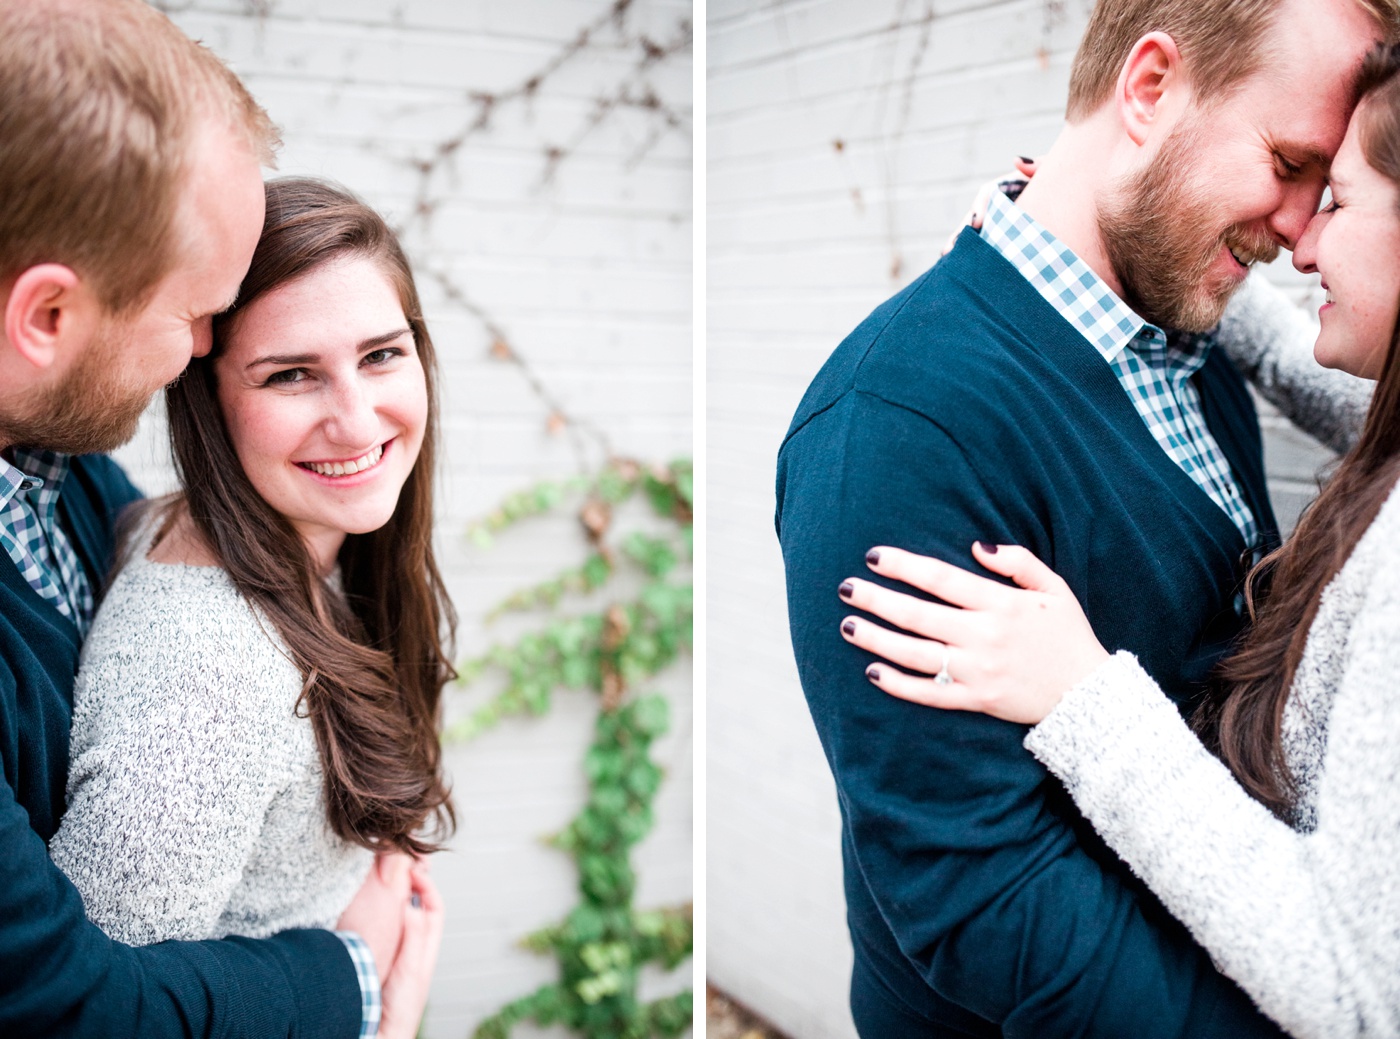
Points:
x=632 y=92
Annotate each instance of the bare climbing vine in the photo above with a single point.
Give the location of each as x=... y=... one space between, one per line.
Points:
x=435 y=168
x=909 y=36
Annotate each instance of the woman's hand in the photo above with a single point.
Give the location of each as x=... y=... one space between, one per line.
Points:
x=1025 y=170
x=376 y=912
x=405 y=988
x=1008 y=652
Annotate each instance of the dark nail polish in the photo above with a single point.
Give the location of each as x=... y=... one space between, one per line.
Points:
x=873 y=673
x=846 y=590
x=848 y=626
x=1027 y=160
x=873 y=557
x=990 y=549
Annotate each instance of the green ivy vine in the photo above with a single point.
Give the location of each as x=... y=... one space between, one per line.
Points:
x=603 y=943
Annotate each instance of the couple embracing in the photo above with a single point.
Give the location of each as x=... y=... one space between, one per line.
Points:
x=1144 y=779
x=218 y=716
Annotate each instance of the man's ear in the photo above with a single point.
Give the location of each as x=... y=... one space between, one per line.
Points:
x=50 y=310
x=1151 y=78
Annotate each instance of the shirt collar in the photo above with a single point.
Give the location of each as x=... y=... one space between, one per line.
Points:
x=1065 y=281
x=31 y=470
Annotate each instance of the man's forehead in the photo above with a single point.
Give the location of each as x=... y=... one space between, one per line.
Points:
x=1316 y=47
x=1303 y=116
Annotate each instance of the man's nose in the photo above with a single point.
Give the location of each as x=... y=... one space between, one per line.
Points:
x=1290 y=220
x=202 y=337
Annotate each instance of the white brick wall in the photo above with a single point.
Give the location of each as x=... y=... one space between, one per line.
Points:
x=589 y=276
x=846 y=140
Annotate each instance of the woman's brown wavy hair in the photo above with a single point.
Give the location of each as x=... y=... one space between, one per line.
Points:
x=375 y=660
x=1243 y=718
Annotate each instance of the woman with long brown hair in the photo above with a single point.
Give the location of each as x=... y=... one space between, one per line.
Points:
x=256 y=712
x=1279 y=854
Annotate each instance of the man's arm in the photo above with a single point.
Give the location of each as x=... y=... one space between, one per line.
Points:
x=970 y=850
x=60 y=976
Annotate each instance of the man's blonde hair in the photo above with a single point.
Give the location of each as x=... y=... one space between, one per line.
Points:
x=100 y=103
x=1221 y=42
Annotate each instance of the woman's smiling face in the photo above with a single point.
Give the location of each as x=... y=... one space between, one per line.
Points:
x=1354 y=244
x=321 y=387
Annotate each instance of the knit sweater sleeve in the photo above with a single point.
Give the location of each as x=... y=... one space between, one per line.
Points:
x=1270 y=340
x=179 y=740
x=1306 y=923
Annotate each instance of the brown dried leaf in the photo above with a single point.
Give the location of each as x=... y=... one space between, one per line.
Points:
x=612 y=690
x=615 y=626
x=596 y=517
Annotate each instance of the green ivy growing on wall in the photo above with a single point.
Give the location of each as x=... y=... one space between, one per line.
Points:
x=604 y=942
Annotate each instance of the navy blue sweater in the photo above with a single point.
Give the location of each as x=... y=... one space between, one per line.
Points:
x=965 y=408
x=59 y=974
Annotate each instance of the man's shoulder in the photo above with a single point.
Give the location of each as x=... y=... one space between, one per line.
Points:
x=94 y=494
x=103 y=475
x=954 y=346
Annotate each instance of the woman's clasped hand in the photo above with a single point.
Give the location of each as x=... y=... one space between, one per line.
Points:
x=1008 y=652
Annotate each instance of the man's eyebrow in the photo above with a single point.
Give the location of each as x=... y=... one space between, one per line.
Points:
x=1305 y=154
x=226 y=307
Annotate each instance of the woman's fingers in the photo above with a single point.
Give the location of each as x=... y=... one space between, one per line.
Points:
x=950 y=583
x=949 y=696
x=980 y=204
x=1012 y=704
x=393 y=867
x=1019 y=564
x=916 y=654
x=931 y=620
x=430 y=908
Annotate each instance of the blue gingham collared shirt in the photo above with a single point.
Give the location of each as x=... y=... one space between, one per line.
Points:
x=1155 y=370
x=31 y=534
x=29 y=529
x=371 y=1003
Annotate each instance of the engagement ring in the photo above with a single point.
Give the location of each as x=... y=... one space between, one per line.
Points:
x=943 y=677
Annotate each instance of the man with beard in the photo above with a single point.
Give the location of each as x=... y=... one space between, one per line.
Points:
x=132 y=201
x=1050 y=383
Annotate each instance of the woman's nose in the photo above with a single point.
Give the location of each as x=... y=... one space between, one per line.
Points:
x=1305 y=253
x=352 y=419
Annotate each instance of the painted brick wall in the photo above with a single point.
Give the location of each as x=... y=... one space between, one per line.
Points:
x=846 y=141
x=580 y=260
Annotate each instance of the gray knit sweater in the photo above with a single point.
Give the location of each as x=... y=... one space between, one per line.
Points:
x=195 y=804
x=1305 y=918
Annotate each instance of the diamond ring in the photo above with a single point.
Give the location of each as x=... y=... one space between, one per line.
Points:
x=943 y=677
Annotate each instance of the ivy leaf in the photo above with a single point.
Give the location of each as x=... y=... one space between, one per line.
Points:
x=651 y=716
x=600 y=945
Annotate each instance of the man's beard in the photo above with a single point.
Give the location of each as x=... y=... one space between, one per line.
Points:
x=1153 y=228
x=90 y=411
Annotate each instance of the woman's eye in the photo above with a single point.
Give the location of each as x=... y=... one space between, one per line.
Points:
x=382 y=355
x=286 y=377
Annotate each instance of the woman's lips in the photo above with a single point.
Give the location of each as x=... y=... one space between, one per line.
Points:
x=348 y=468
